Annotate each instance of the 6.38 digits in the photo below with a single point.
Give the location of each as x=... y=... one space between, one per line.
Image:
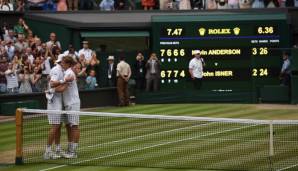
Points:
x=265 y=30
x=172 y=74
x=172 y=52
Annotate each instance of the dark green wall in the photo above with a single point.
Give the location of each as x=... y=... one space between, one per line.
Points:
x=43 y=29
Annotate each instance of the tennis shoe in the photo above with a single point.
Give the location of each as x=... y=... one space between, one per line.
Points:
x=71 y=155
x=62 y=153
x=50 y=155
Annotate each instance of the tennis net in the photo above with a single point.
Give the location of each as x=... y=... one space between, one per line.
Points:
x=163 y=141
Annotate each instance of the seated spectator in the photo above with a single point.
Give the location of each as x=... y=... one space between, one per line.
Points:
x=3 y=68
x=61 y=5
x=184 y=5
x=86 y=5
x=120 y=5
x=211 y=4
x=91 y=81
x=258 y=4
x=53 y=41
x=36 y=4
x=28 y=53
x=148 y=4
x=222 y=4
x=81 y=76
x=197 y=4
x=21 y=27
x=10 y=36
x=271 y=3
x=24 y=78
x=107 y=5
x=73 y=5
x=12 y=79
x=20 y=5
x=35 y=80
x=233 y=4
x=5 y=5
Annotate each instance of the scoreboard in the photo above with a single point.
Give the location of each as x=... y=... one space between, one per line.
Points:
x=242 y=52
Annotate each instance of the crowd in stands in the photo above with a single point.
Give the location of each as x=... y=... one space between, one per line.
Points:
x=110 y=5
x=26 y=61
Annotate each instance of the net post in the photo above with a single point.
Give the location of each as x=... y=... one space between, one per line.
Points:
x=271 y=145
x=19 y=137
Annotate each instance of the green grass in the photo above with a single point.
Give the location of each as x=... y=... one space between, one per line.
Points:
x=204 y=138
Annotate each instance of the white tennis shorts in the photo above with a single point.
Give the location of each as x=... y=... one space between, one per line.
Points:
x=73 y=119
x=54 y=104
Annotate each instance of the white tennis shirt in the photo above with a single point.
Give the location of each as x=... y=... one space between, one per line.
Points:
x=71 y=94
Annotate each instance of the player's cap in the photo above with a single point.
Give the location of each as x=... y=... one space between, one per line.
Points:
x=110 y=58
x=196 y=52
x=60 y=57
x=85 y=42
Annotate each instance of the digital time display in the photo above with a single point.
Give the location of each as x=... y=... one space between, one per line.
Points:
x=239 y=53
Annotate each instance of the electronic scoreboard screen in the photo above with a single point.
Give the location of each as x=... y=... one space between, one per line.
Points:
x=242 y=52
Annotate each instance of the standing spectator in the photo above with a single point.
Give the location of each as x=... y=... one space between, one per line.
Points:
x=24 y=76
x=148 y=4
x=29 y=54
x=107 y=5
x=81 y=76
x=140 y=71
x=3 y=68
x=93 y=64
x=35 y=80
x=10 y=50
x=123 y=76
x=285 y=73
x=21 y=27
x=53 y=41
x=12 y=79
x=153 y=73
x=196 y=69
x=111 y=72
x=61 y=5
x=91 y=81
x=184 y=5
x=21 y=44
x=20 y=5
x=73 y=5
x=233 y=4
x=86 y=51
x=5 y=5
x=10 y=36
x=72 y=53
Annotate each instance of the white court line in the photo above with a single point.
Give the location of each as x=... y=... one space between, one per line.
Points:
x=286 y=168
x=141 y=136
x=144 y=148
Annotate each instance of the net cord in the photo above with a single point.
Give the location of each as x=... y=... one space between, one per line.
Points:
x=163 y=117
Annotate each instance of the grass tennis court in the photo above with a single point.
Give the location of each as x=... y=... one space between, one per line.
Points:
x=192 y=135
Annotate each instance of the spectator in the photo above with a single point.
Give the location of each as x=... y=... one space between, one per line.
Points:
x=91 y=81
x=20 y=5
x=29 y=54
x=12 y=79
x=36 y=81
x=3 y=68
x=72 y=53
x=73 y=5
x=107 y=5
x=10 y=50
x=184 y=5
x=24 y=76
x=233 y=4
x=211 y=4
x=53 y=41
x=271 y=3
x=86 y=51
x=148 y=4
x=5 y=5
x=21 y=44
x=111 y=76
x=36 y=4
x=10 y=36
x=140 y=71
x=81 y=76
x=153 y=73
x=258 y=4
x=197 y=4
x=21 y=27
x=222 y=4
x=120 y=5
x=86 y=4
x=61 y=5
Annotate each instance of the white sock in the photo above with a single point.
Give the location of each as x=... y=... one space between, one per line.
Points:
x=75 y=146
x=69 y=148
x=48 y=148
x=58 y=147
